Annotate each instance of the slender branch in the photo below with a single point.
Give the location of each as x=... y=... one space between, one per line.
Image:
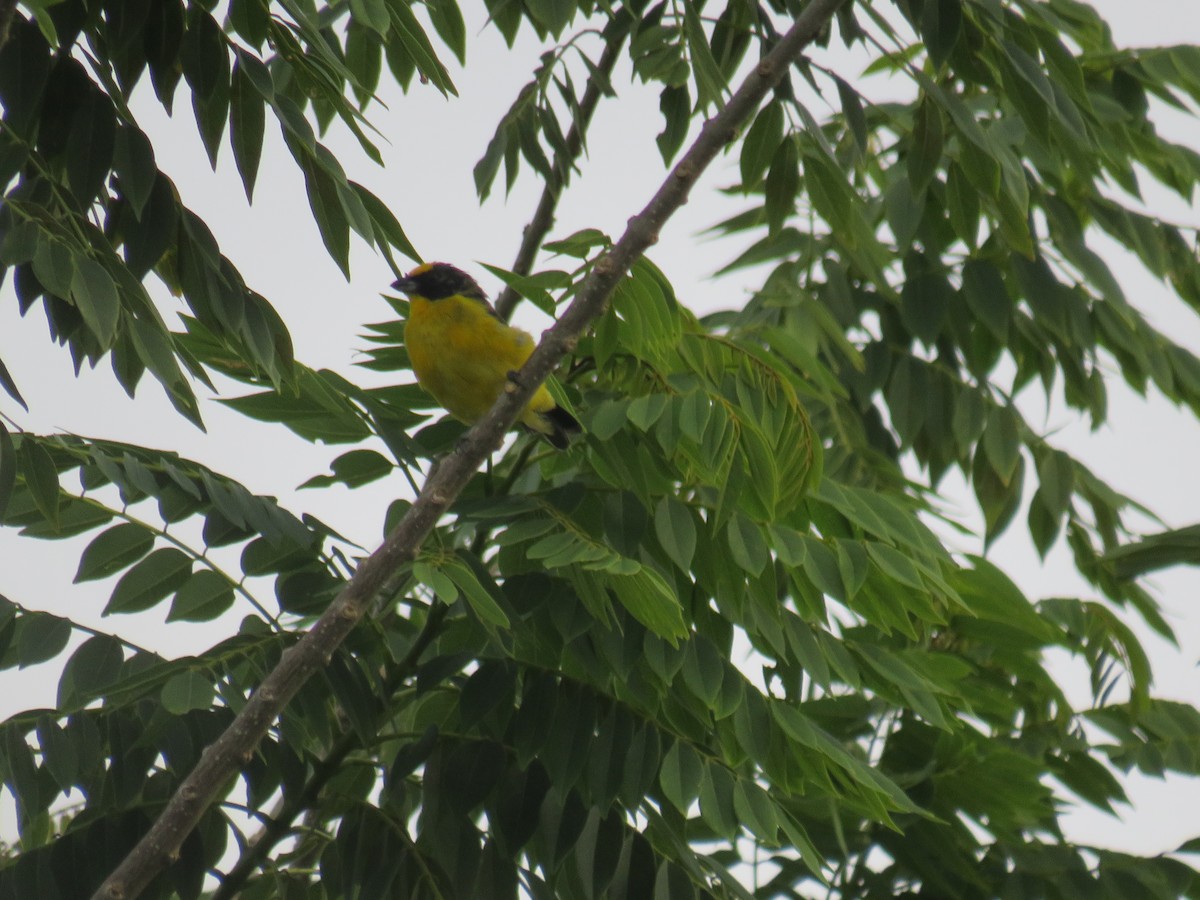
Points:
x=85 y=629
x=383 y=570
x=280 y=824
x=237 y=586
x=543 y=217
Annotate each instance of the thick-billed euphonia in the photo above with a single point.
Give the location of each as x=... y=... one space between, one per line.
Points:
x=462 y=353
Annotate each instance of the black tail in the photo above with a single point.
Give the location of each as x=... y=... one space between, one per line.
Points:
x=563 y=427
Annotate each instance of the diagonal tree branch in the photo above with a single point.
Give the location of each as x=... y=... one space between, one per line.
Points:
x=279 y=825
x=543 y=217
x=383 y=569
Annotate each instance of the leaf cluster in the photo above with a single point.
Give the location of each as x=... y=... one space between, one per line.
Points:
x=721 y=633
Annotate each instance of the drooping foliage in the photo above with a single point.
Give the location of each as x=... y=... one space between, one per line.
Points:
x=716 y=648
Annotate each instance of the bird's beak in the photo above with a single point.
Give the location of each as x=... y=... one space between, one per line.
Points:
x=404 y=285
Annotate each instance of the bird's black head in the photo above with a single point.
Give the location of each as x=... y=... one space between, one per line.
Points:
x=435 y=281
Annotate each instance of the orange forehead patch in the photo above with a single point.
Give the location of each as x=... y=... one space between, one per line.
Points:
x=423 y=268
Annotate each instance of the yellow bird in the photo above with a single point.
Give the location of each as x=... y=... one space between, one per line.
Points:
x=462 y=353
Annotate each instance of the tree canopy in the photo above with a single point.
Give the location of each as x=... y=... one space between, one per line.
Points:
x=722 y=646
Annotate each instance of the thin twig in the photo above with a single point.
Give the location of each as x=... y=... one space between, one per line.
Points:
x=543 y=217
x=280 y=825
x=382 y=571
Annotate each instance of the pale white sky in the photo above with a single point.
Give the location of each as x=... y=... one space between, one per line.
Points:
x=1147 y=451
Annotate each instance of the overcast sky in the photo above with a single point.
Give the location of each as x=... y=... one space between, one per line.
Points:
x=1148 y=451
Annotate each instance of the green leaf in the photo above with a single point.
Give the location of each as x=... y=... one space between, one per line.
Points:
x=695 y=413
x=263 y=556
x=902 y=208
x=675 y=104
x=247 y=119
x=756 y=810
x=325 y=201
x=21 y=774
x=150 y=581
x=788 y=545
x=488 y=166
x=448 y=22
x=680 y=774
x=703 y=670
x=415 y=42
x=853 y=566
x=54 y=266
x=10 y=387
x=386 y=224
x=354 y=469
x=364 y=59
x=987 y=297
x=895 y=565
x=41 y=477
x=19 y=243
x=839 y=204
x=93 y=666
x=925 y=152
x=962 y=204
x=710 y=84
x=580 y=244
x=154 y=347
x=202 y=598
x=801 y=841
x=821 y=566
x=95 y=296
x=925 y=301
x=478 y=597
x=644 y=411
x=251 y=21
x=747 y=545
x=8 y=468
x=651 y=601
x=90 y=145
x=205 y=56
x=672 y=882
x=155 y=231
x=134 y=165
x=716 y=800
x=760 y=144
x=40 y=637
x=783 y=181
x=45 y=23
x=999 y=498
x=60 y=752
x=553 y=15
x=371 y=13
x=941 y=25
x=534 y=288
x=1002 y=441
x=853 y=114
x=113 y=550
x=676 y=531
x=187 y=691
x=1179 y=546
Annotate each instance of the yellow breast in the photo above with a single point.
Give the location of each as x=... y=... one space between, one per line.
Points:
x=462 y=354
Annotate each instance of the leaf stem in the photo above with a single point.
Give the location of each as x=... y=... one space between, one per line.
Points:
x=543 y=217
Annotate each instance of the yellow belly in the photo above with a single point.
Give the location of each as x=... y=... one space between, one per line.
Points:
x=462 y=356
